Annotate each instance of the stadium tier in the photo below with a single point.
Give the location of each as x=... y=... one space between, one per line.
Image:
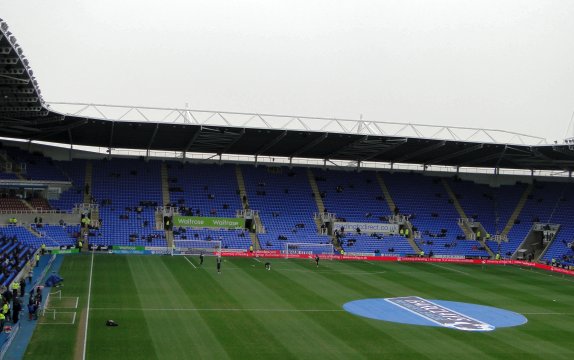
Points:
x=128 y=191
x=37 y=166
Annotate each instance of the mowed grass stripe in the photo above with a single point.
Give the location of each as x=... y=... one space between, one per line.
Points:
x=114 y=287
x=299 y=331
x=437 y=336
x=209 y=292
x=359 y=333
x=417 y=339
x=173 y=334
x=46 y=338
x=455 y=287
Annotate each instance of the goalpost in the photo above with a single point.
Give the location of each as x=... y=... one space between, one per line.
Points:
x=196 y=247
x=325 y=251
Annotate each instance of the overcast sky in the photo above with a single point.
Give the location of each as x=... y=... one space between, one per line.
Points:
x=504 y=64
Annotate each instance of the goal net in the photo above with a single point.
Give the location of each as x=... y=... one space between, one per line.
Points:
x=196 y=247
x=325 y=251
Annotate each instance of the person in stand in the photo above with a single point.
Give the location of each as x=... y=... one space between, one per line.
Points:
x=317 y=260
x=32 y=308
x=201 y=258
x=16 y=308
x=6 y=310
x=22 y=286
x=219 y=264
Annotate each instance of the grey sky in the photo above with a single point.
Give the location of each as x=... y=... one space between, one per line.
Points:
x=497 y=64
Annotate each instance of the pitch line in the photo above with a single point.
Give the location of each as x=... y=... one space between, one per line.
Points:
x=551 y=275
x=549 y=313
x=218 y=310
x=447 y=268
x=335 y=272
x=256 y=259
x=88 y=308
x=195 y=267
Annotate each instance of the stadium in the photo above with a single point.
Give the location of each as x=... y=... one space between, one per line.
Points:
x=166 y=233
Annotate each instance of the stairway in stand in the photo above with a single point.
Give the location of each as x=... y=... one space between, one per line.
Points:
x=245 y=204
x=316 y=196
x=164 y=184
x=165 y=200
x=88 y=183
x=386 y=193
x=392 y=206
x=517 y=210
x=467 y=232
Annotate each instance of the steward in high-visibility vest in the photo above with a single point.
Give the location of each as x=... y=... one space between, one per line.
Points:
x=15 y=288
x=2 y=320
x=250 y=248
x=407 y=232
x=43 y=249
x=37 y=260
x=422 y=253
x=487 y=236
x=6 y=309
x=497 y=257
x=402 y=232
x=478 y=234
x=342 y=252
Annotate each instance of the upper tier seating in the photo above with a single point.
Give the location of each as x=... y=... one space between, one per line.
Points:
x=121 y=186
x=285 y=203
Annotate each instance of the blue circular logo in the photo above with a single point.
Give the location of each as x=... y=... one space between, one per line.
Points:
x=415 y=310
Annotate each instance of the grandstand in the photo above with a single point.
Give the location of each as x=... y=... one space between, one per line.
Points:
x=287 y=184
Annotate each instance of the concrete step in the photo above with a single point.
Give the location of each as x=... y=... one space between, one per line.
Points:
x=386 y=193
x=517 y=209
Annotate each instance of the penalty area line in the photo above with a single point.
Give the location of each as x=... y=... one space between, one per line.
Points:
x=185 y=257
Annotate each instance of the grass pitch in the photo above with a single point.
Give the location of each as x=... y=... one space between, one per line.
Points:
x=170 y=308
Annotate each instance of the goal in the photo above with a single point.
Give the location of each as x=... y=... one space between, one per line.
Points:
x=196 y=247
x=325 y=251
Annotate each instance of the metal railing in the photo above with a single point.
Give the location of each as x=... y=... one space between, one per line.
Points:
x=35 y=211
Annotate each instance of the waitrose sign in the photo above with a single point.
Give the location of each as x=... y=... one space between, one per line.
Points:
x=209 y=222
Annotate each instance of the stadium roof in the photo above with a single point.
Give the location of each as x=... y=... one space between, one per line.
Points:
x=24 y=115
